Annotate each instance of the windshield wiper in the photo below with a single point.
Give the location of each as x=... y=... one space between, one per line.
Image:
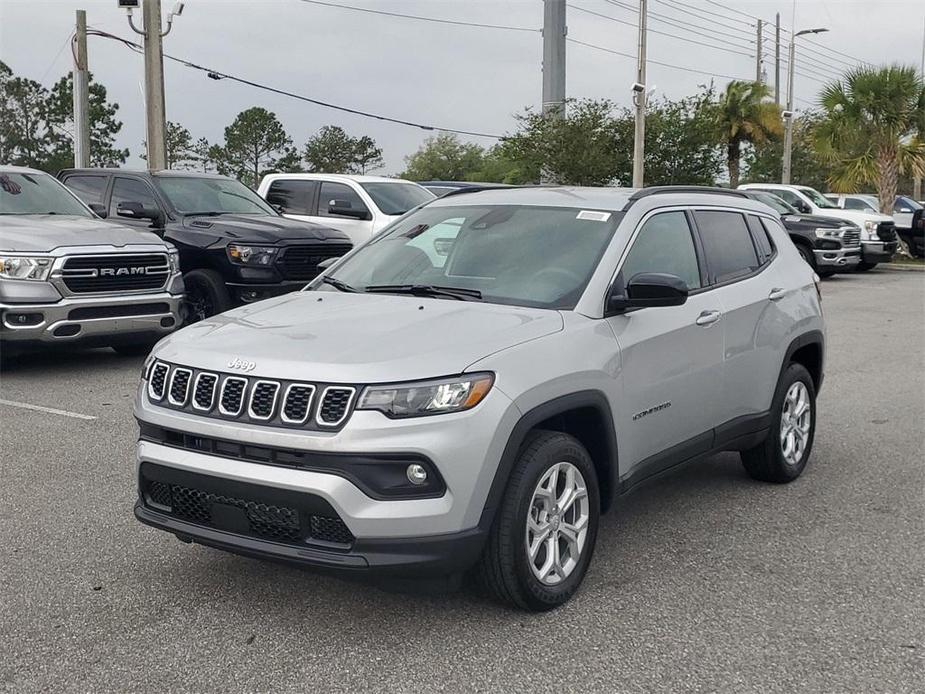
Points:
x=338 y=284
x=460 y=293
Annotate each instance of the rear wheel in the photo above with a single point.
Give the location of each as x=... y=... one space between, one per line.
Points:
x=206 y=295
x=543 y=537
x=784 y=453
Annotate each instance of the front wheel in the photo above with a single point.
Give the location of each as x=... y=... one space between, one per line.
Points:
x=864 y=267
x=807 y=255
x=543 y=537
x=206 y=295
x=134 y=349
x=784 y=453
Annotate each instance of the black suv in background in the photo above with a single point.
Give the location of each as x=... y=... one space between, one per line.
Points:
x=234 y=247
x=828 y=245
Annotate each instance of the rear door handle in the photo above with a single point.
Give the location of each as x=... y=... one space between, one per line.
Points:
x=708 y=317
x=777 y=294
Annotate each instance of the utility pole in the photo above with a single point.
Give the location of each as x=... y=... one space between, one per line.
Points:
x=777 y=59
x=155 y=111
x=758 y=51
x=554 y=32
x=788 y=114
x=81 y=94
x=639 y=97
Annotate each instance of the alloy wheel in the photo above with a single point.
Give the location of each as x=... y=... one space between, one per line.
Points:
x=795 y=423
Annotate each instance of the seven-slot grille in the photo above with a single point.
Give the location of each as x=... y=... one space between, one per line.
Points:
x=115 y=273
x=265 y=401
x=851 y=236
x=301 y=262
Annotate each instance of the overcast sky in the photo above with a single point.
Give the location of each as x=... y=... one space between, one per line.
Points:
x=450 y=76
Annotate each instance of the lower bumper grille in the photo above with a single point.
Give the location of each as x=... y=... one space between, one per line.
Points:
x=245 y=511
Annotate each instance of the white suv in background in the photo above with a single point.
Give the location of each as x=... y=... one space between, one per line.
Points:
x=359 y=206
x=878 y=237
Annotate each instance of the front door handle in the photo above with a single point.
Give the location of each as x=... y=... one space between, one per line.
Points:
x=777 y=294
x=708 y=317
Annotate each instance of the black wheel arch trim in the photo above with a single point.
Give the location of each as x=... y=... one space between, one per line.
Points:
x=528 y=422
x=811 y=337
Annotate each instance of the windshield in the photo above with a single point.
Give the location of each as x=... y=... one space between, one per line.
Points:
x=190 y=195
x=396 y=198
x=29 y=193
x=818 y=198
x=511 y=254
x=776 y=203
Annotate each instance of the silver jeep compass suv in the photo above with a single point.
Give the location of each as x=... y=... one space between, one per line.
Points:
x=474 y=386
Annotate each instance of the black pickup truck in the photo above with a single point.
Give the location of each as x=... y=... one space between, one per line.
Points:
x=234 y=247
x=828 y=245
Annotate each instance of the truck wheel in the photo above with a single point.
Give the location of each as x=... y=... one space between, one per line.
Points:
x=135 y=349
x=864 y=267
x=807 y=255
x=206 y=295
x=544 y=533
x=783 y=454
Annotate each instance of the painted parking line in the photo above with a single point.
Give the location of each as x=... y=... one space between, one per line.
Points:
x=49 y=410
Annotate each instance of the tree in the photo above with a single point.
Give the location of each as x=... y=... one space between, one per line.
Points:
x=332 y=150
x=104 y=127
x=180 y=152
x=586 y=146
x=498 y=166
x=763 y=163
x=869 y=133
x=24 y=139
x=254 y=143
x=745 y=114
x=443 y=158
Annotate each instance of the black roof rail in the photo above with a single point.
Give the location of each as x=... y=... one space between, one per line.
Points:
x=703 y=190
x=488 y=186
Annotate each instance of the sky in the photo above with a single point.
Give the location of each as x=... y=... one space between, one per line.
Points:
x=445 y=75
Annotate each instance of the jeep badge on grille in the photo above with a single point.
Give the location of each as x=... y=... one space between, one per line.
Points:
x=242 y=365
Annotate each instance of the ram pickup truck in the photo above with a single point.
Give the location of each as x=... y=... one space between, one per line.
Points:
x=234 y=248
x=67 y=276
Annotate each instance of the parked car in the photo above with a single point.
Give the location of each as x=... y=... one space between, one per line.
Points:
x=904 y=210
x=878 y=236
x=441 y=188
x=416 y=413
x=359 y=206
x=828 y=245
x=234 y=247
x=69 y=277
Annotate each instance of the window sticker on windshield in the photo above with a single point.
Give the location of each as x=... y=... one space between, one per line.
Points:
x=593 y=215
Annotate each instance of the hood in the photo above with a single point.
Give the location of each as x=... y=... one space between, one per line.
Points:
x=254 y=228
x=855 y=216
x=42 y=233
x=817 y=221
x=356 y=338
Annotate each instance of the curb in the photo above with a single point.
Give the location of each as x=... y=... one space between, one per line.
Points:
x=901 y=267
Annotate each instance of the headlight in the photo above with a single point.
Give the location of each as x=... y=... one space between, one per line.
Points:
x=870 y=227
x=173 y=261
x=251 y=255
x=421 y=398
x=21 y=268
x=828 y=233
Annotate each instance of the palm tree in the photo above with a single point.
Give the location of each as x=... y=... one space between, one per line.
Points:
x=745 y=113
x=872 y=133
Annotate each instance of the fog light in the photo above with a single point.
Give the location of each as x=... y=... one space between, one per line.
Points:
x=416 y=474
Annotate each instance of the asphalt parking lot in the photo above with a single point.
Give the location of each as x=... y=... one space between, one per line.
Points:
x=704 y=581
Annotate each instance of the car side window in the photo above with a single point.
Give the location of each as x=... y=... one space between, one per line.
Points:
x=852 y=204
x=762 y=239
x=791 y=197
x=293 y=196
x=664 y=244
x=727 y=245
x=339 y=193
x=87 y=188
x=131 y=190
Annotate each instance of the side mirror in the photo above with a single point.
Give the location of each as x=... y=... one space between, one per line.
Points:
x=99 y=209
x=649 y=290
x=135 y=210
x=344 y=208
x=803 y=207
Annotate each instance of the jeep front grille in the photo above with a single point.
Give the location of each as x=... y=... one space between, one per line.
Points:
x=248 y=399
x=115 y=273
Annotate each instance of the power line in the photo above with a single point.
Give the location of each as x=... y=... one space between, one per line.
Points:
x=663 y=33
x=680 y=8
x=420 y=18
x=218 y=75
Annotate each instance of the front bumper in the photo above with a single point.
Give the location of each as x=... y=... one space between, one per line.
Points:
x=842 y=258
x=82 y=318
x=248 y=293
x=877 y=251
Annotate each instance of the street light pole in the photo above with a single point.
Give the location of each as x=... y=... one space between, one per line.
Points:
x=788 y=114
x=639 y=96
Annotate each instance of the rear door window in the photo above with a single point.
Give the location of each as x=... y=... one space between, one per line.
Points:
x=293 y=196
x=727 y=244
x=87 y=188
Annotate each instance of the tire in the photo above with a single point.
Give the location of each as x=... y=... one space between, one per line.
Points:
x=768 y=461
x=864 y=267
x=823 y=273
x=807 y=255
x=206 y=295
x=138 y=349
x=505 y=567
